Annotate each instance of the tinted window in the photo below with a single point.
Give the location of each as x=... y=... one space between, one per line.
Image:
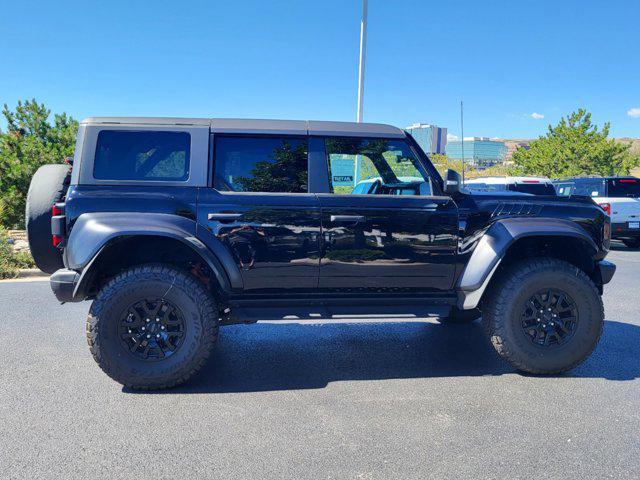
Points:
x=624 y=187
x=564 y=189
x=533 y=188
x=385 y=166
x=261 y=164
x=128 y=155
x=589 y=187
x=485 y=187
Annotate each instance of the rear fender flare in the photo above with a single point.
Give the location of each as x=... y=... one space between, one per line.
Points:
x=92 y=234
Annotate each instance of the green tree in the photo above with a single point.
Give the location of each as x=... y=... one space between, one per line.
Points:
x=575 y=147
x=29 y=142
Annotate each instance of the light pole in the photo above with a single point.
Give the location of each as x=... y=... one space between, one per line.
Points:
x=363 y=47
x=363 y=50
x=462 y=133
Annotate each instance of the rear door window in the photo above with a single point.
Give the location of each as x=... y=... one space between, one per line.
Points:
x=261 y=164
x=142 y=155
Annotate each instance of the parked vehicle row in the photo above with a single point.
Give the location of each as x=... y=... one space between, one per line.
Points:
x=619 y=197
x=530 y=185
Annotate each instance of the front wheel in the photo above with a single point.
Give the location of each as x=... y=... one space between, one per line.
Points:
x=152 y=327
x=544 y=316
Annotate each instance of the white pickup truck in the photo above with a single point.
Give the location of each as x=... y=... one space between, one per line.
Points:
x=618 y=196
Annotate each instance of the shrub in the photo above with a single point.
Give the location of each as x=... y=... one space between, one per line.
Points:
x=11 y=262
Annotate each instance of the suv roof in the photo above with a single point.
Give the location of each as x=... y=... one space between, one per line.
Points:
x=261 y=126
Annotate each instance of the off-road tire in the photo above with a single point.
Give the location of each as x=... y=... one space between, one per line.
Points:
x=48 y=186
x=632 y=242
x=503 y=307
x=460 y=317
x=181 y=289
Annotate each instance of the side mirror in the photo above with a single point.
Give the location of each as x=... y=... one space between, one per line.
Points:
x=452 y=182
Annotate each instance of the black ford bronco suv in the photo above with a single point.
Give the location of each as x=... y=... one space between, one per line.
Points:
x=174 y=227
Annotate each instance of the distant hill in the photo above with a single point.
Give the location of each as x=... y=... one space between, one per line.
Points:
x=514 y=143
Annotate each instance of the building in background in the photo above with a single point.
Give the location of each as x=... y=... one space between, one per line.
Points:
x=480 y=152
x=431 y=138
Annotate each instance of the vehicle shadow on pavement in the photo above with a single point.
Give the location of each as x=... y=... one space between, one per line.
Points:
x=289 y=356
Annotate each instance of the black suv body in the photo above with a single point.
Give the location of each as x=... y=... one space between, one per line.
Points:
x=174 y=227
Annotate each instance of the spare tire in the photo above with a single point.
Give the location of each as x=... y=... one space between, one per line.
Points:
x=48 y=186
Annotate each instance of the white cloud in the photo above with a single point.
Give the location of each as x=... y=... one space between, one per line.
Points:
x=536 y=116
x=634 y=112
x=452 y=138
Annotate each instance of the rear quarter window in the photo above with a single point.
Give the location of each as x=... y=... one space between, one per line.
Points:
x=142 y=155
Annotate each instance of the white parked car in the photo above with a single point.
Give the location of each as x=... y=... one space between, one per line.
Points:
x=618 y=196
x=530 y=185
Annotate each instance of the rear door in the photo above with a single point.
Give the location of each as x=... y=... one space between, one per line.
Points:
x=386 y=240
x=259 y=207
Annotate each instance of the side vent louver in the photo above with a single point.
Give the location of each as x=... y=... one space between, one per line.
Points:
x=516 y=210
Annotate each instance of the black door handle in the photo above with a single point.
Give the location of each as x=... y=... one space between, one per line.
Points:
x=347 y=218
x=224 y=217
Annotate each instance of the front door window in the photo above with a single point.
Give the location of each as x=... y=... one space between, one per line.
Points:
x=375 y=167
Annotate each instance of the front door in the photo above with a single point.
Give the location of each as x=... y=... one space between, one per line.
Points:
x=259 y=208
x=383 y=229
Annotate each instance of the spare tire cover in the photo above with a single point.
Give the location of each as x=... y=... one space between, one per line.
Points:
x=48 y=186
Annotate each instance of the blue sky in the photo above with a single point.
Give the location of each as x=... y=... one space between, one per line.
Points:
x=298 y=59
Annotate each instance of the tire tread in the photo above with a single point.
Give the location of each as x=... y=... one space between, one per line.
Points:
x=496 y=306
x=187 y=283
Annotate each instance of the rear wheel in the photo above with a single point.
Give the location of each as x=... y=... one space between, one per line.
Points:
x=632 y=242
x=152 y=327
x=544 y=316
x=48 y=186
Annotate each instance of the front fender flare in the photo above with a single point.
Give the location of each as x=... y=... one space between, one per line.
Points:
x=494 y=244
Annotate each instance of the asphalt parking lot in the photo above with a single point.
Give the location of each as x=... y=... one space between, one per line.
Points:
x=379 y=399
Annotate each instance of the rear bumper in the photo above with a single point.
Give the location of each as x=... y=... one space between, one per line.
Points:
x=606 y=269
x=63 y=283
x=622 y=230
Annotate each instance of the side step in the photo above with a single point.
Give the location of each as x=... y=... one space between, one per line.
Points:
x=247 y=314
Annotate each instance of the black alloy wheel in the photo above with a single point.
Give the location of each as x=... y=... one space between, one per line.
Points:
x=550 y=318
x=152 y=329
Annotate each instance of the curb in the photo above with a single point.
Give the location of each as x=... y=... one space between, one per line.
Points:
x=29 y=273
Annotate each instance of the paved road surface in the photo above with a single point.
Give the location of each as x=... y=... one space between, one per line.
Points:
x=339 y=400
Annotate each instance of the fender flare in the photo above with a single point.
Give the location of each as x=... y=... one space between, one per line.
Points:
x=495 y=242
x=93 y=233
